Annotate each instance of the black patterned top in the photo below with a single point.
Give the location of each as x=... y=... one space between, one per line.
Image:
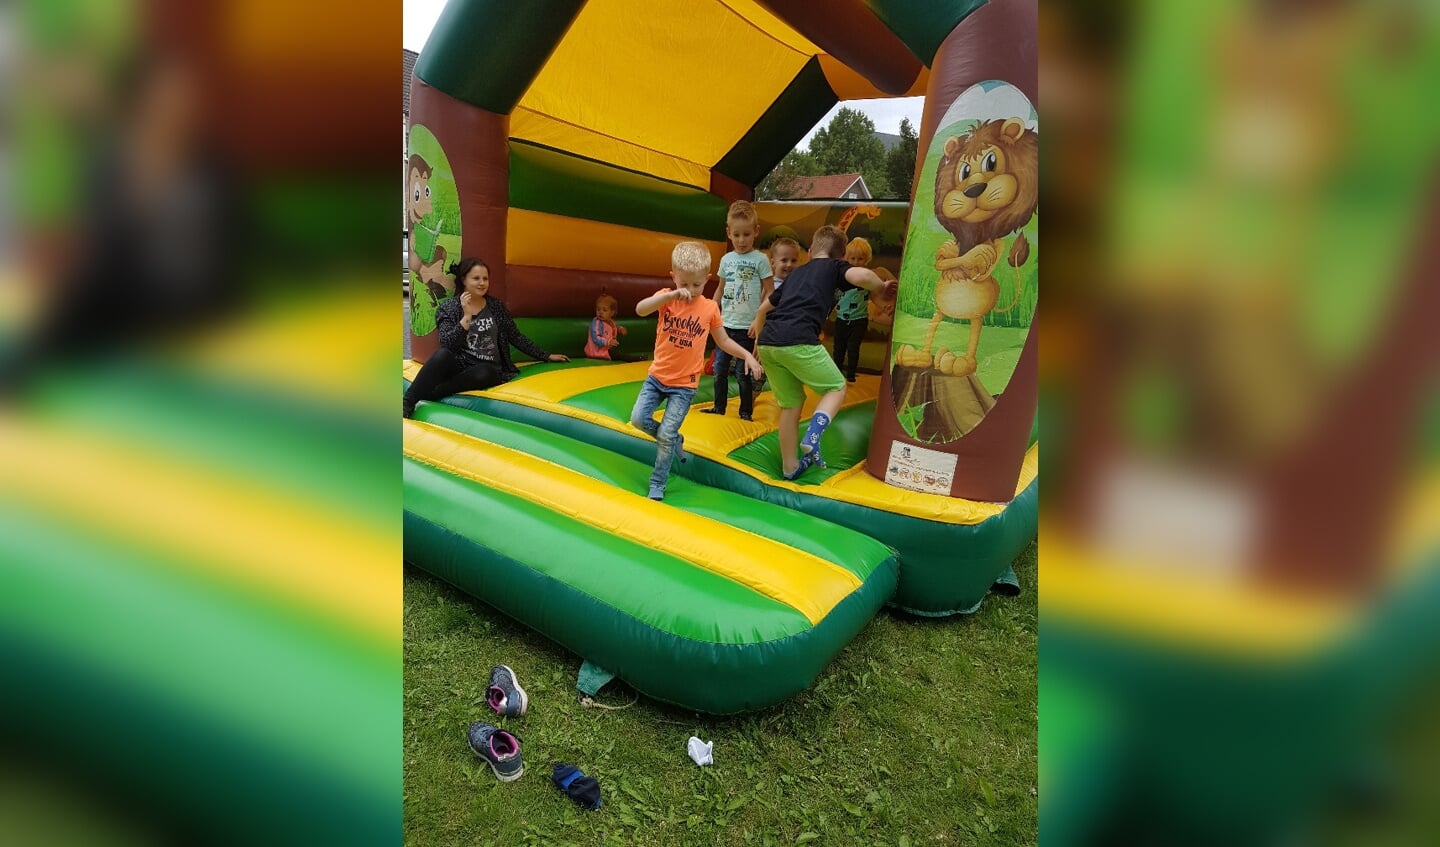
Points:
x=453 y=335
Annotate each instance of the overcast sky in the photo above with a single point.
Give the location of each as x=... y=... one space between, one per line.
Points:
x=420 y=16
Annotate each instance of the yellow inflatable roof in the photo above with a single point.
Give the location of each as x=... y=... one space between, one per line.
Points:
x=682 y=88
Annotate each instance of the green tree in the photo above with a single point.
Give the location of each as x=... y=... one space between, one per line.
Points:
x=782 y=183
x=848 y=145
x=900 y=162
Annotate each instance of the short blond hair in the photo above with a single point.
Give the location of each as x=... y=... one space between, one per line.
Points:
x=784 y=241
x=691 y=257
x=828 y=240
x=862 y=247
x=742 y=211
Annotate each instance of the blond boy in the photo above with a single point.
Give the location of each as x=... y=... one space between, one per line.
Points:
x=784 y=256
x=852 y=313
x=745 y=281
x=686 y=317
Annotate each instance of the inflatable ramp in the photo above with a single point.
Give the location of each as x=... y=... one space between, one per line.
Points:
x=952 y=551
x=709 y=600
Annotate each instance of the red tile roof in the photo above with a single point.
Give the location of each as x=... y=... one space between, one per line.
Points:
x=826 y=187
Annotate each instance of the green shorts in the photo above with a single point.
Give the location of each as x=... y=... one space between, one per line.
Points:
x=792 y=369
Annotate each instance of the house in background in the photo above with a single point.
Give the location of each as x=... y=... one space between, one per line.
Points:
x=410 y=57
x=832 y=187
x=409 y=70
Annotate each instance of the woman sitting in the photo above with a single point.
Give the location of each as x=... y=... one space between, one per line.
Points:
x=476 y=333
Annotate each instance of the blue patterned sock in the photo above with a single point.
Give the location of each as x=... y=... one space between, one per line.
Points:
x=806 y=462
x=811 y=442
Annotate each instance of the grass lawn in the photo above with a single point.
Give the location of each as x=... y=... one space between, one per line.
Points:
x=921 y=732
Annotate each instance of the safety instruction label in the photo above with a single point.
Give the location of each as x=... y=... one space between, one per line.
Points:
x=919 y=469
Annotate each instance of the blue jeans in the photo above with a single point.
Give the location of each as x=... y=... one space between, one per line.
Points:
x=677 y=404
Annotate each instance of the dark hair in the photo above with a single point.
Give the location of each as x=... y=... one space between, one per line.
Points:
x=462 y=268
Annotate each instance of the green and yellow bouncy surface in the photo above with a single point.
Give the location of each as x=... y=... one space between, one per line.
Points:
x=952 y=552
x=709 y=600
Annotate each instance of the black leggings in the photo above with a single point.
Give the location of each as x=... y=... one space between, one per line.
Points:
x=444 y=374
x=848 y=335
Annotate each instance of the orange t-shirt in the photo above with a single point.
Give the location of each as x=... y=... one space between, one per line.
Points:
x=680 y=340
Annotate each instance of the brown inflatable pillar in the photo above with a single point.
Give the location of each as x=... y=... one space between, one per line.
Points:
x=970 y=441
x=729 y=190
x=476 y=143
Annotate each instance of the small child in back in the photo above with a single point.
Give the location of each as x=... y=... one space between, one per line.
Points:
x=745 y=281
x=852 y=313
x=882 y=309
x=604 y=332
x=790 y=349
x=784 y=256
x=686 y=317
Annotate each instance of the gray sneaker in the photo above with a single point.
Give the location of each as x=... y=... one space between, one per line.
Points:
x=499 y=748
x=505 y=695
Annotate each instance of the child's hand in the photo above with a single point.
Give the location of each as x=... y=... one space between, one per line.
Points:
x=681 y=294
x=613 y=344
x=752 y=364
x=754 y=330
x=620 y=329
x=891 y=285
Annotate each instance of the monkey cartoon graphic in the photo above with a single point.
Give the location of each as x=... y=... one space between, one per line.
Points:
x=422 y=239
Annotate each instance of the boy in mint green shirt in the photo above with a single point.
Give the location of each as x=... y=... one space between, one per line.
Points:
x=745 y=282
x=852 y=313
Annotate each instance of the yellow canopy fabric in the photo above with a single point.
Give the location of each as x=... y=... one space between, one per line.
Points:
x=849 y=85
x=556 y=241
x=691 y=81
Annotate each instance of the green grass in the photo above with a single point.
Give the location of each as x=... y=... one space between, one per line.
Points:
x=920 y=732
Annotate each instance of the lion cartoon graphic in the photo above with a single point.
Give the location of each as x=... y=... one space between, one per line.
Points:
x=985 y=189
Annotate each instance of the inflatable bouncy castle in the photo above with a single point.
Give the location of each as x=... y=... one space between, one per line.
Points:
x=572 y=153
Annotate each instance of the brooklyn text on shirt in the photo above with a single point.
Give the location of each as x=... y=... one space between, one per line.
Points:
x=689 y=325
